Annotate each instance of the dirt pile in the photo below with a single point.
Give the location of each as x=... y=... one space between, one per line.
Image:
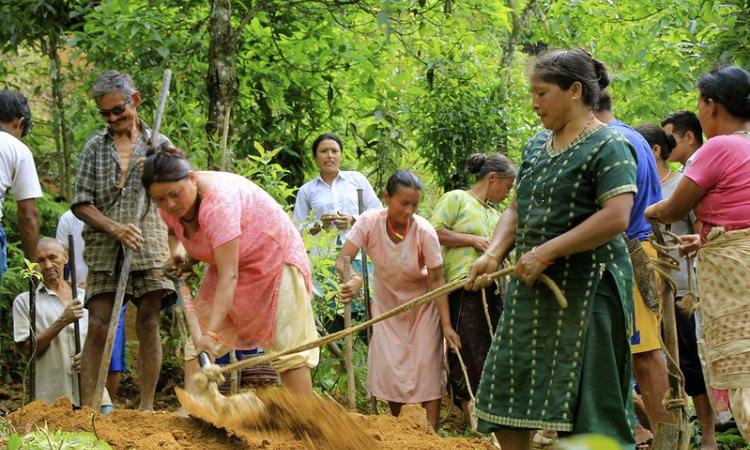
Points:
x=282 y=426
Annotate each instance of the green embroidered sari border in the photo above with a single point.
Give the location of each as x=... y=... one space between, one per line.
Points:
x=514 y=422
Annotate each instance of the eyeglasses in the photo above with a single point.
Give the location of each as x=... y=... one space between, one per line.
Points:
x=116 y=111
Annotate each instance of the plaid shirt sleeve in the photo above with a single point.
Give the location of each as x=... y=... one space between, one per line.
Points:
x=85 y=191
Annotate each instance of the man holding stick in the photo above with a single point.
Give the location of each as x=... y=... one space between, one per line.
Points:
x=57 y=310
x=107 y=189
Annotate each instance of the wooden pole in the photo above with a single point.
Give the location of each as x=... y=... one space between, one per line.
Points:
x=74 y=291
x=349 y=343
x=32 y=339
x=122 y=282
x=674 y=436
x=366 y=289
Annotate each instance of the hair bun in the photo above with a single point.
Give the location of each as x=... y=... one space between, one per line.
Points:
x=602 y=75
x=475 y=162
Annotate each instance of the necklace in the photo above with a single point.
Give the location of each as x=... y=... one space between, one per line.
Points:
x=666 y=176
x=196 y=212
x=553 y=159
x=579 y=137
x=481 y=202
x=392 y=230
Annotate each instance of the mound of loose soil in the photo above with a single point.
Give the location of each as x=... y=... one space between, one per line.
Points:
x=287 y=424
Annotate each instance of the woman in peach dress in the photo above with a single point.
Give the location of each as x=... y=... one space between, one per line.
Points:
x=405 y=360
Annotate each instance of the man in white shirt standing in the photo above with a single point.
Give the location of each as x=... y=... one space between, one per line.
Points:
x=56 y=311
x=17 y=172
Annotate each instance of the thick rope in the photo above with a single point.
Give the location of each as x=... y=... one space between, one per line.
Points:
x=663 y=265
x=422 y=299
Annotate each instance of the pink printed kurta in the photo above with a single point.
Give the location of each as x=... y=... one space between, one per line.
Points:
x=235 y=207
x=405 y=361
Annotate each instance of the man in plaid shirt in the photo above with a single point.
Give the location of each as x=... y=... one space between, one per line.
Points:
x=107 y=187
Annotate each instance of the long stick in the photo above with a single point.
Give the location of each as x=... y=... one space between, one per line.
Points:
x=348 y=343
x=366 y=289
x=96 y=401
x=74 y=290
x=365 y=270
x=32 y=324
x=422 y=299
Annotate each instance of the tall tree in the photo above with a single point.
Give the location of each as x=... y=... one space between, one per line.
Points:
x=221 y=80
x=43 y=25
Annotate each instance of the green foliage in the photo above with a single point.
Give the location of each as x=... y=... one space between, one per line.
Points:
x=44 y=439
x=406 y=83
x=267 y=174
x=48 y=212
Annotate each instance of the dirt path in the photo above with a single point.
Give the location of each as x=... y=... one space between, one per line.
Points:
x=306 y=427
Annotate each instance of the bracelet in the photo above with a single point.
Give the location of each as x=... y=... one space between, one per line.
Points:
x=539 y=258
x=491 y=255
x=212 y=335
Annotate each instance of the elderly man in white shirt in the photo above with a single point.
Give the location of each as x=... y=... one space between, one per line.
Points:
x=56 y=311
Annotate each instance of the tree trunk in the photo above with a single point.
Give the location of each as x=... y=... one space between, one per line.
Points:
x=221 y=80
x=62 y=143
x=519 y=19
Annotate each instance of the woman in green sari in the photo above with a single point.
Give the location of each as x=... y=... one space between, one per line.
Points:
x=550 y=368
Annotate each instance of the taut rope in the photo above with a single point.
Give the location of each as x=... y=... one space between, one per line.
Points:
x=422 y=299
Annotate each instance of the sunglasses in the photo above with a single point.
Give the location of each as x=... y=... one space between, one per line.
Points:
x=116 y=111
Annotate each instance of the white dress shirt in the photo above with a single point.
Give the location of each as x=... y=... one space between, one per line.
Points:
x=316 y=198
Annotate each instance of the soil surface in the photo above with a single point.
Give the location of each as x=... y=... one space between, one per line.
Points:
x=286 y=423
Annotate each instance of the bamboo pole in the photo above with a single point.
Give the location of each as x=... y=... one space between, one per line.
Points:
x=74 y=290
x=348 y=343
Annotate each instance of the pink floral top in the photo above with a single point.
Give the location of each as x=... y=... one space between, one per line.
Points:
x=234 y=207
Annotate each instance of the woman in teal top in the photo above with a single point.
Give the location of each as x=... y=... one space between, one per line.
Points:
x=550 y=368
x=465 y=221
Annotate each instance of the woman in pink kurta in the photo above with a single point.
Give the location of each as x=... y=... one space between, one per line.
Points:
x=256 y=291
x=405 y=360
x=717 y=187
